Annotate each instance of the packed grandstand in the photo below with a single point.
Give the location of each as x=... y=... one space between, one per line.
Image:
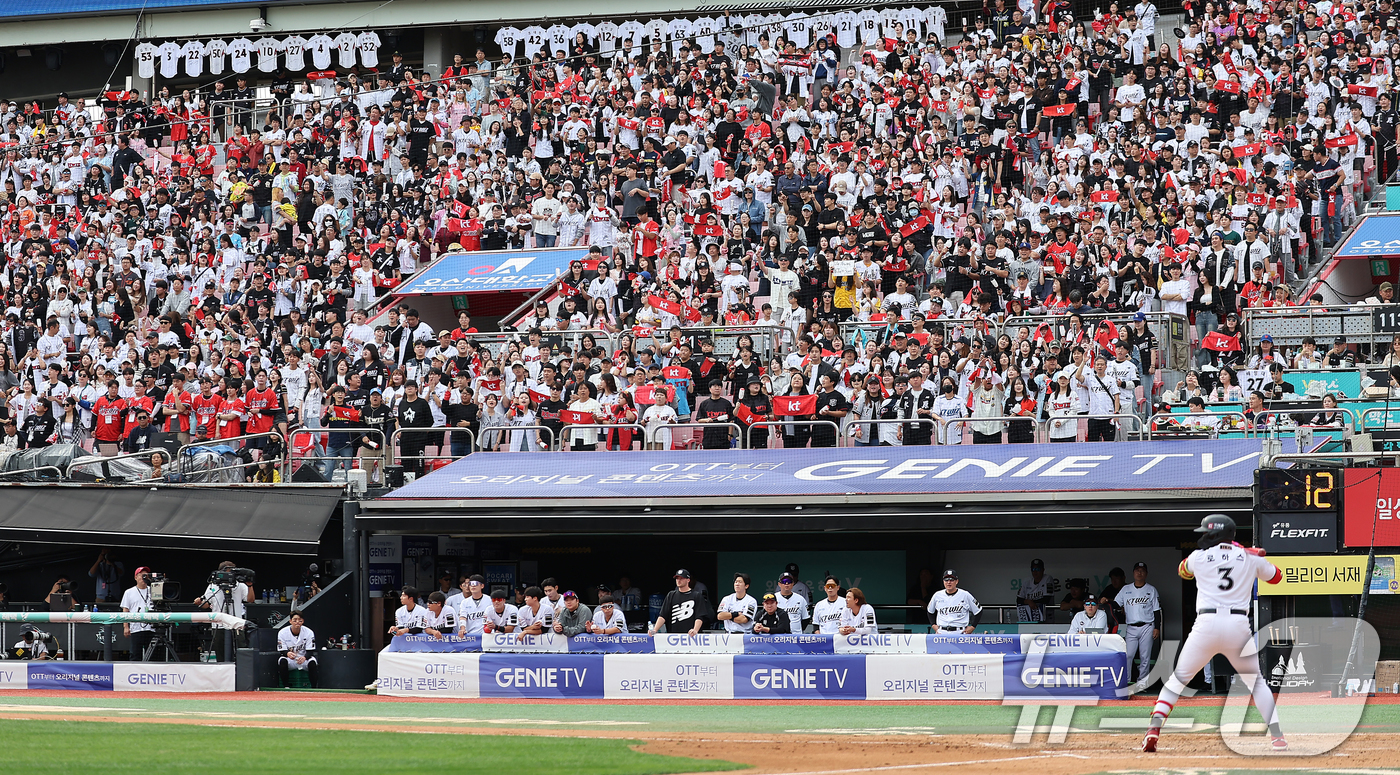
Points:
x=852 y=227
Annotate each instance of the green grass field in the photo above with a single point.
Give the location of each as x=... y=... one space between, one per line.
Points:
x=63 y=747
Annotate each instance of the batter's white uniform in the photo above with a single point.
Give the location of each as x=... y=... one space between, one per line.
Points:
x=746 y=606
x=1225 y=576
x=1140 y=607
x=795 y=606
x=954 y=611
x=827 y=615
x=301 y=644
x=415 y=619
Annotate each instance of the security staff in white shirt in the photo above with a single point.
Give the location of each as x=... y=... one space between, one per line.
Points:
x=1142 y=609
x=295 y=643
x=951 y=610
x=472 y=607
x=411 y=618
x=1091 y=619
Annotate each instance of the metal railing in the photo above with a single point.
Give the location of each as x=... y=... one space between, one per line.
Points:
x=813 y=424
x=146 y=453
x=444 y=434
x=1289 y=325
x=1213 y=429
x=779 y=340
x=317 y=459
x=508 y=436
x=935 y=427
x=1141 y=427
x=1036 y=425
x=651 y=433
x=1167 y=327
x=496 y=342
x=181 y=458
x=566 y=437
x=55 y=469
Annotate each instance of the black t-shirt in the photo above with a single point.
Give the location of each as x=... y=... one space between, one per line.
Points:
x=719 y=410
x=420 y=133
x=682 y=609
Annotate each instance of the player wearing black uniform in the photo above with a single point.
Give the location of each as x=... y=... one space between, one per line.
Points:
x=684 y=609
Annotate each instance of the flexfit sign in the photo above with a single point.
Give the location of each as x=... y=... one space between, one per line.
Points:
x=1298 y=532
x=1135 y=466
x=491 y=271
x=1371 y=507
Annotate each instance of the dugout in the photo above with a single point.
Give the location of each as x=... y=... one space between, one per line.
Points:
x=873 y=517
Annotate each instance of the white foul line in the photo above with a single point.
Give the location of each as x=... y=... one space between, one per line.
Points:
x=918 y=766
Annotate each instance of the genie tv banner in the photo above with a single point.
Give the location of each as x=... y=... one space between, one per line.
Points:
x=1125 y=466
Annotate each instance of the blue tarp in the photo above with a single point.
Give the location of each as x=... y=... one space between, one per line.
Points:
x=501 y=270
x=1124 y=466
x=1377 y=235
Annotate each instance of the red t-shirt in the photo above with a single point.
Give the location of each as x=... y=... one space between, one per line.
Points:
x=175 y=423
x=258 y=400
x=230 y=428
x=132 y=405
x=109 y=419
x=206 y=411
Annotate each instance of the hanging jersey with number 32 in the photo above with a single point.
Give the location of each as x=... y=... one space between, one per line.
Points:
x=1225 y=576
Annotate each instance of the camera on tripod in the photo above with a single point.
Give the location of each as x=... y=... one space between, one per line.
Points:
x=163 y=590
x=227 y=578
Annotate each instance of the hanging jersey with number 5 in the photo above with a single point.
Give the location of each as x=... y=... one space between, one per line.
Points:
x=1225 y=576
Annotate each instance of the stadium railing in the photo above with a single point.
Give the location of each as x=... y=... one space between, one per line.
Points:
x=294 y=461
x=934 y=423
x=507 y=436
x=1288 y=325
x=779 y=424
x=692 y=440
x=182 y=459
x=444 y=442
x=604 y=430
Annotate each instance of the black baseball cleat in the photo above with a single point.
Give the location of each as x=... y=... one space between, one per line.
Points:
x=1149 y=743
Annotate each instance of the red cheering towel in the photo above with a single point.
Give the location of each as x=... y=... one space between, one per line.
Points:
x=675 y=372
x=665 y=306
x=576 y=418
x=745 y=415
x=1102 y=197
x=792 y=406
x=1059 y=110
x=1227 y=85
x=1220 y=342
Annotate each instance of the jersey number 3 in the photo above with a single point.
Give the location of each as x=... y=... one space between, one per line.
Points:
x=1228 y=582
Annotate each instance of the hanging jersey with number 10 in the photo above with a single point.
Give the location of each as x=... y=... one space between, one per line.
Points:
x=1225 y=576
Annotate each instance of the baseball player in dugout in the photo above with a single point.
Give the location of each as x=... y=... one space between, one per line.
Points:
x=1142 y=611
x=1224 y=572
x=1036 y=592
x=953 y=610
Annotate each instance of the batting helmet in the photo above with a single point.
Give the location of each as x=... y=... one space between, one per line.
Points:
x=1217 y=529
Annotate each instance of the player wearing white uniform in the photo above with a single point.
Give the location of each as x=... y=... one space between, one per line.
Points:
x=827 y=614
x=738 y=610
x=410 y=617
x=1142 y=611
x=790 y=602
x=952 y=610
x=798 y=585
x=1035 y=592
x=442 y=618
x=501 y=616
x=1225 y=573
x=295 y=642
x=857 y=616
x=1091 y=619
x=537 y=615
x=472 y=607
x=608 y=619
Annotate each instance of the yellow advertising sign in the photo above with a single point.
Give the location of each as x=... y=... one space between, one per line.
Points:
x=1326 y=575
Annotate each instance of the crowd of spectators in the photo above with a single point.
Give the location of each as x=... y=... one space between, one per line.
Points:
x=208 y=266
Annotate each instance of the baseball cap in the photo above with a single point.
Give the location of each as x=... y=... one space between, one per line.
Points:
x=1139 y=317
x=499 y=593
x=950 y=574
x=1037 y=564
x=769 y=596
x=569 y=593
x=681 y=574
x=1137 y=565
x=1090 y=601
x=143 y=569
x=787 y=578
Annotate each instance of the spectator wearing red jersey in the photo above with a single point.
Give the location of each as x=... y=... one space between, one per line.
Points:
x=263 y=403
x=109 y=415
x=205 y=407
x=175 y=409
x=137 y=403
x=231 y=414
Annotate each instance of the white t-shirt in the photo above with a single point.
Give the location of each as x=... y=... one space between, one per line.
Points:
x=954 y=610
x=240 y=52
x=617 y=619
x=508 y=38
x=795 y=606
x=267 y=53
x=137 y=601
x=193 y=53
x=1082 y=622
x=863 y=620
x=747 y=606
x=827 y=615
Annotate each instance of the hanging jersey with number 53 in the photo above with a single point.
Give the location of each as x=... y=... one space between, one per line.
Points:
x=1225 y=576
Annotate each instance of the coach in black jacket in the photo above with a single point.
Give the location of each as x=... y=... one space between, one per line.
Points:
x=772 y=621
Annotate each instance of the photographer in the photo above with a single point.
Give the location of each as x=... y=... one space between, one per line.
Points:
x=30 y=645
x=296 y=641
x=228 y=592
x=137 y=600
x=61 y=596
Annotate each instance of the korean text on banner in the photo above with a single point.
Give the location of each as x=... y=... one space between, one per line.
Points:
x=933 y=677
x=428 y=675
x=651 y=676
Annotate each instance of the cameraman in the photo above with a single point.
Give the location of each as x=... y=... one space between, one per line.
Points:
x=108 y=573
x=239 y=595
x=137 y=600
x=62 y=587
